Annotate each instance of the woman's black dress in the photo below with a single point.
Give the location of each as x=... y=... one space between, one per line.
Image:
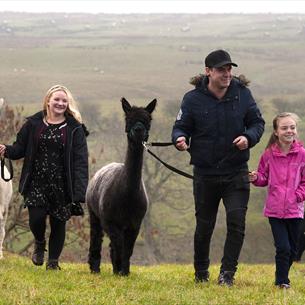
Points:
x=48 y=186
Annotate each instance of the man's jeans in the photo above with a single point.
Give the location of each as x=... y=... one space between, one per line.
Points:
x=208 y=191
x=285 y=233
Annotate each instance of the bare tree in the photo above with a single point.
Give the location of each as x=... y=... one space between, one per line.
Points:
x=165 y=188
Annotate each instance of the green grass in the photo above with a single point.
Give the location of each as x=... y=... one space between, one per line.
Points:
x=23 y=283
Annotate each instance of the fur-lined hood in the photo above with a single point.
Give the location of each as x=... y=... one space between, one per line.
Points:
x=197 y=80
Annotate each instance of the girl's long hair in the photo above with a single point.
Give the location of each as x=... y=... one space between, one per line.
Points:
x=72 y=108
x=274 y=138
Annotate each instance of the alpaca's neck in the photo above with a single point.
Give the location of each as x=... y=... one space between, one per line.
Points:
x=133 y=165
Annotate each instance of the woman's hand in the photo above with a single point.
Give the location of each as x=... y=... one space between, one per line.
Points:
x=2 y=149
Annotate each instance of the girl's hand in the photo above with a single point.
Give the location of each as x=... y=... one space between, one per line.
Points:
x=252 y=176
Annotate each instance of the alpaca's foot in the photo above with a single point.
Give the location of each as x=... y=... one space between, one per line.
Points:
x=95 y=270
x=124 y=273
x=125 y=268
x=95 y=266
x=116 y=269
x=120 y=273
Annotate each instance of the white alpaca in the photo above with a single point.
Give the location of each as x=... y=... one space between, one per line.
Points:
x=6 y=192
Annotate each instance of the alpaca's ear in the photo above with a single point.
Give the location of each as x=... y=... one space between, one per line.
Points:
x=151 y=106
x=125 y=105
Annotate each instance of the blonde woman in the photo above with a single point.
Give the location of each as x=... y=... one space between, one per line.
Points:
x=55 y=170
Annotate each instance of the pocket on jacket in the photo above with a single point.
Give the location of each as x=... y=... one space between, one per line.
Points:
x=275 y=198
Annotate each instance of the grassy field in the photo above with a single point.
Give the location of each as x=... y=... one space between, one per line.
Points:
x=23 y=283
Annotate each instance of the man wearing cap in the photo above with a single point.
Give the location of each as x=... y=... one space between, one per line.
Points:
x=218 y=123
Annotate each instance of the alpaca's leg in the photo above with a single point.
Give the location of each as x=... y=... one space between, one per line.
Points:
x=130 y=236
x=116 y=247
x=116 y=266
x=2 y=229
x=96 y=239
x=2 y=235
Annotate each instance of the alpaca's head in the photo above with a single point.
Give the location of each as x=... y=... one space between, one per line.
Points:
x=138 y=120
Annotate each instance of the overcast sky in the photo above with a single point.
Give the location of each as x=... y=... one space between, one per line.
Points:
x=165 y=6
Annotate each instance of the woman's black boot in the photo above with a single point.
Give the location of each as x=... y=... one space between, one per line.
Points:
x=52 y=264
x=38 y=254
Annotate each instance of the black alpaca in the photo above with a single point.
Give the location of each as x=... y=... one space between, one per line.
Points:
x=116 y=196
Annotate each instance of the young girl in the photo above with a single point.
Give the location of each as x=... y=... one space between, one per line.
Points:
x=55 y=169
x=282 y=168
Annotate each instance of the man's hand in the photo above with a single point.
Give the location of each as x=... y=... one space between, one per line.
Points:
x=241 y=142
x=181 y=143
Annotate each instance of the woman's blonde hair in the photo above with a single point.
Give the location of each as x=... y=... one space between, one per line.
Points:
x=72 y=108
x=274 y=138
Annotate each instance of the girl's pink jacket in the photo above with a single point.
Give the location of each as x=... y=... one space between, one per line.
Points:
x=285 y=177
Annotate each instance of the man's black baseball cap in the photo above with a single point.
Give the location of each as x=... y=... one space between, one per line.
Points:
x=218 y=59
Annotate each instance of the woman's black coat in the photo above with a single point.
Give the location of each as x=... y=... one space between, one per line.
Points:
x=75 y=158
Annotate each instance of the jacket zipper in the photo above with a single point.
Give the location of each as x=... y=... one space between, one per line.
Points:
x=287 y=169
x=24 y=182
x=27 y=174
x=69 y=164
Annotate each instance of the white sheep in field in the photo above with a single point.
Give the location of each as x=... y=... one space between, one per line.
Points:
x=6 y=192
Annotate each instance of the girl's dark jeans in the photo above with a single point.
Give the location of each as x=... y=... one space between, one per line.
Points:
x=208 y=191
x=285 y=233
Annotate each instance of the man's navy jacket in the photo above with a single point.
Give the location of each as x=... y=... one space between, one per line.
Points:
x=211 y=125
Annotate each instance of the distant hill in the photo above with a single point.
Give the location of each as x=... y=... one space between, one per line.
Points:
x=102 y=57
